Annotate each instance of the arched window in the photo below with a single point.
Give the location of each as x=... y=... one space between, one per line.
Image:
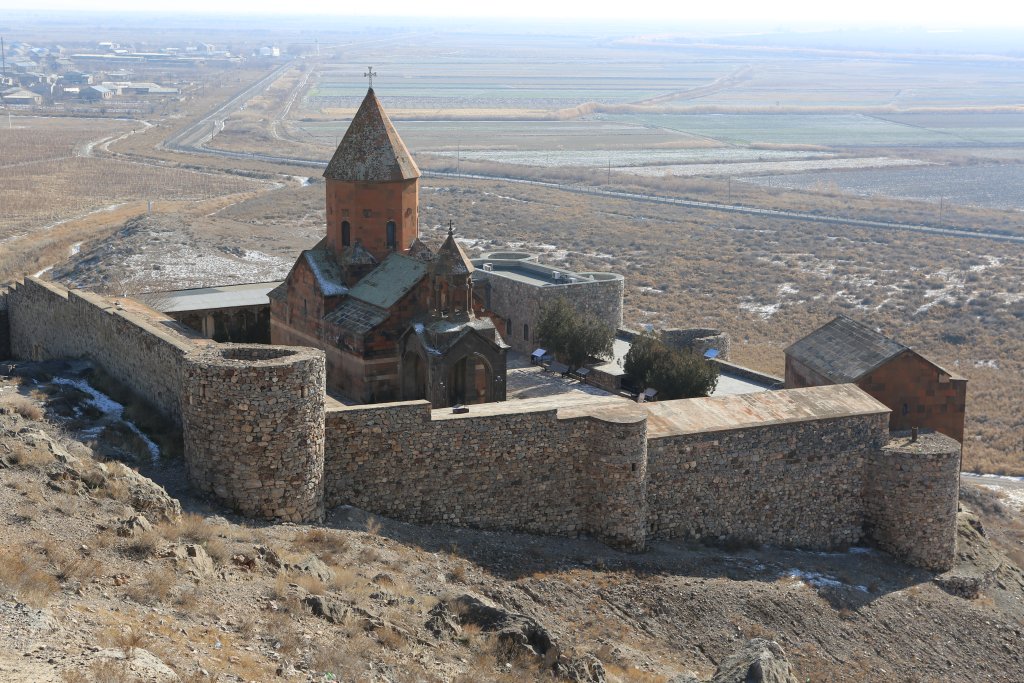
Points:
x=346 y=234
x=526 y=332
x=392 y=239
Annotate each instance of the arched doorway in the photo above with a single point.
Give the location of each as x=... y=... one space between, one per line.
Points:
x=414 y=377
x=470 y=381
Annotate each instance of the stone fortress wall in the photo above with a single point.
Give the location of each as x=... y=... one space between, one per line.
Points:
x=519 y=299
x=253 y=427
x=807 y=468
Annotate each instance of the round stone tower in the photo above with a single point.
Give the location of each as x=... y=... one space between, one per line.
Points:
x=253 y=423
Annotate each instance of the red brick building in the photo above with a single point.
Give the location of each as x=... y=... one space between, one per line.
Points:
x=919 y=392
x=395 y=318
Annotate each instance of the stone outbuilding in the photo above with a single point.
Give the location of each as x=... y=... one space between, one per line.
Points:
x=919 y=392
x=395 y=319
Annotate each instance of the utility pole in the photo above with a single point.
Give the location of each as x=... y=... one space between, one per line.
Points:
x=942 y=202
x=458 y=158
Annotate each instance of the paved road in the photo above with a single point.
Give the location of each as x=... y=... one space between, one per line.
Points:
x=193 y=139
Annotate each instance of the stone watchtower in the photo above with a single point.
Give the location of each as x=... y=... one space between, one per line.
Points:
x=372 y=188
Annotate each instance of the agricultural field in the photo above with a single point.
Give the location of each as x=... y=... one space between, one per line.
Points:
x=512 y=136
x=37 y=194
x=789 y=82
x=825 y=130
x=993 y=186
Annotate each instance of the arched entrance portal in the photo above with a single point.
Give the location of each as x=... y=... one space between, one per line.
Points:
x=469 y=381
x=414 y=377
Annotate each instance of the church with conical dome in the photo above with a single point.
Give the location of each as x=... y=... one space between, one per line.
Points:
x=396 y=319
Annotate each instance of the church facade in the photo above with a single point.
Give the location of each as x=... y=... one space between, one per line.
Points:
x=395 y=318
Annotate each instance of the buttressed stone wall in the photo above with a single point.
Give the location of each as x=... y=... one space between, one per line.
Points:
x=523 y=466
x=804 y=467
x=782 y=472
x=252 y=416
x=144 y=353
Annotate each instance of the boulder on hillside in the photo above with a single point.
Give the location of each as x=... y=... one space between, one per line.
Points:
x=759 y=661
x=516 y=633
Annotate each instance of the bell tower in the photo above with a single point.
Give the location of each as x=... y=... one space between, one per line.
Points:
x=451 y=275
x=372 y=187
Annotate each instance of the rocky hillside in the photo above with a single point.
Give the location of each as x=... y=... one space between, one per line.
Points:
x=107 y=576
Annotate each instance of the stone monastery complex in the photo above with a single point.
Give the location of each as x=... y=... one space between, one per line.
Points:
x=404 y=332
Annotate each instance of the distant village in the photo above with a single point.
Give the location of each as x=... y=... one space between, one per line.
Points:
x=105 y=75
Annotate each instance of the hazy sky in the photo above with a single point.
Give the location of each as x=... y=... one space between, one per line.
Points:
x=938 y=14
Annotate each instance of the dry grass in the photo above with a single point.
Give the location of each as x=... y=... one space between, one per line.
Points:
x=131 y=638
x=326 y=544
x=373 y=525
x=112 y=671
x=390 y=637
x=29 y=457
x=143 y=545
x=282 y=633
x=69 y=565
x=77 y=185
x=310 y=584
x=218 y=551
x=22 y=405
x=154 y=587
x=457 y=573
x=22 y=575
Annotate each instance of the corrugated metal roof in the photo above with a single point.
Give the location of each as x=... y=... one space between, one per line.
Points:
x=844 y=350
x=356 y=316
x=206 y=298
x=371 y=151
x=389 y=281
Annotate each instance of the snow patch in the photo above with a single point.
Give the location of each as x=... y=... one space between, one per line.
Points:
x=765 y=311
x=109 y=407
x=787 y=288
x=819 y=580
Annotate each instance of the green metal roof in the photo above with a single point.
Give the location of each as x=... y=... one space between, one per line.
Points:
x=389 y=281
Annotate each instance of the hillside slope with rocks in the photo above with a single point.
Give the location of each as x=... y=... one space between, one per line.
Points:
x=111 y=570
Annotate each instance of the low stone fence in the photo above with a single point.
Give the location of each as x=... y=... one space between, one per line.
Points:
x=743 y=372
x=699 y=340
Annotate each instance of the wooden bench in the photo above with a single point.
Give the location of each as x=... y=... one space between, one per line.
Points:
x=558 y=368
x=581 y=374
